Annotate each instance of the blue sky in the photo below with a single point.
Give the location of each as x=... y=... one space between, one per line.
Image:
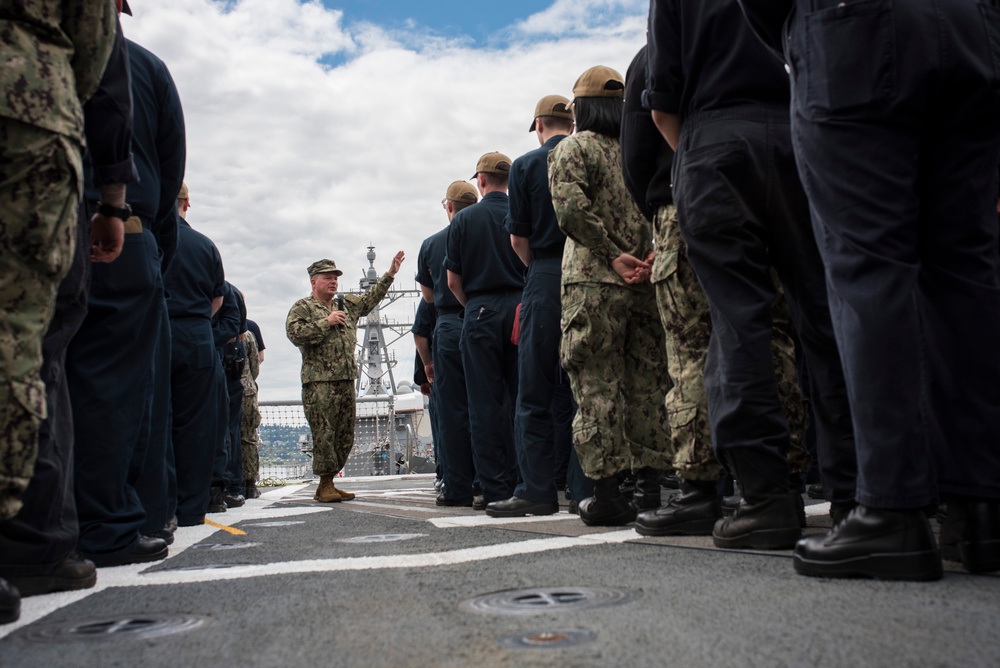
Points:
x=482 y=23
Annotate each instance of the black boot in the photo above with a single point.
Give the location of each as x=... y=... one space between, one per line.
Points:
x=250 y=490
x=216 y=500
x=768 y=516
x=647 y=489
x=10 y=603
x=970 y=533
x=693 y=512
x=607 y=507
x=873 y=543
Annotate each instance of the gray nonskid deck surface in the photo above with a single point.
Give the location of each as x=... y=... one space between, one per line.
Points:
x=391 y=580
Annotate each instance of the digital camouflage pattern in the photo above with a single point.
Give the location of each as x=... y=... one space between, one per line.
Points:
x=594 y=208
x=687 y=324
x=328 y=352
x=329 y=407
x=249 y=423
x=52 y=56
x=329 y=369
x=612 y=350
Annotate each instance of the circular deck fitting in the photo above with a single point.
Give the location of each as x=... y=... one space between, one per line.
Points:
x=383 y=538
x=111 y=628
x=548 y=639
x=222 y=546
x=552 y=599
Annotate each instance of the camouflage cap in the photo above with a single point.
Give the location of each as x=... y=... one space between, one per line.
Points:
x=599 y=81
x=183 y=194
x=324 y=267
x=463 y=192
x=493 y=163
x=552 y=105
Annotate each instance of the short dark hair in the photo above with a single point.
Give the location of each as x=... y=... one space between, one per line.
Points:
x=602 y=115
x=457 y=205
x=557 y=122
x=495 y=179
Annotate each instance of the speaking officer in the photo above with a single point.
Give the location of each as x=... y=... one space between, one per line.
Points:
x=486 y=276
x=743 y=215
x=452 y=401
x=325 y=331
x=544 y=410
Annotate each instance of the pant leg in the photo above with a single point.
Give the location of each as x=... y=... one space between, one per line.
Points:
x=45 y=530
x=110 y=372
x=490 y=362
x=453 y=403
x=687 y=327
x=151 y=476
x=40 y=187
x=718 y=171
x=898 y=147
x=234 y=466
x=591 y=351
x=329 y=408
x=539 y=378
x=645 y=383
x=249 y=424
x=194 y=415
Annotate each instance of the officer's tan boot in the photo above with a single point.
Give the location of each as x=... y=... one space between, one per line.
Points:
x=326 y=492
x=346 y=496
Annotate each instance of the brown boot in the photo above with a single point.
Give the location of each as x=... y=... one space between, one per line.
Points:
x=346 y=496
x=326 y=492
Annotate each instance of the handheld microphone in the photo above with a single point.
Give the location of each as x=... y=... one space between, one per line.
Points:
x=340 y=302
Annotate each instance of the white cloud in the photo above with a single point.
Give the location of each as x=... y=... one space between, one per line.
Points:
x=291 y=160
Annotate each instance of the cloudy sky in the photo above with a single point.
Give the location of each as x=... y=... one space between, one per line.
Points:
x=316 y=129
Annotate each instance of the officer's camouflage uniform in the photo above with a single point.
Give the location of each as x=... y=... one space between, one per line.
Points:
x=329 y=369
x=52 y=56
x=612 y=345
x=251 y=412
x=687 y=323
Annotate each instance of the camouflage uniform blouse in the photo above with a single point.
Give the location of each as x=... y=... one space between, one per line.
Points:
x=594 y=208
x=52 y=57
x=328 y=352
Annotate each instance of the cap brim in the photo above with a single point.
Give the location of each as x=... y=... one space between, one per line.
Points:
x=532 y=128
x=125 y=8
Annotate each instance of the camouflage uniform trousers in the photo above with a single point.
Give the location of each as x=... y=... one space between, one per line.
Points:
x=612 y=350
x=250 y=437
x=329 y=407
x=40 y=189
x=687 y=324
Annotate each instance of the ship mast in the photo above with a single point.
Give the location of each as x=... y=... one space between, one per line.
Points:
x=374 y=352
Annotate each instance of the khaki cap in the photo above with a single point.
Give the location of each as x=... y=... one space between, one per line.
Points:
x=599 y=81
x=552 y=105
x=324 y=267
x=463 y=192
x=183 y=194
x=493 y=163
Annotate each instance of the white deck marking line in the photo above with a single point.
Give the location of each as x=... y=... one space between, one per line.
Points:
x=482 y=520
x=34 y=608
x=450 y=558
x=818 y=509
x=387 y=506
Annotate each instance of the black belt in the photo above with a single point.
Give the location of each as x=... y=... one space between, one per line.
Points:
x=449 y=310
x=547 y=254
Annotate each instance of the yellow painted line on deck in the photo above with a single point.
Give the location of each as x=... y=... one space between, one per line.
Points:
x=234 y=531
